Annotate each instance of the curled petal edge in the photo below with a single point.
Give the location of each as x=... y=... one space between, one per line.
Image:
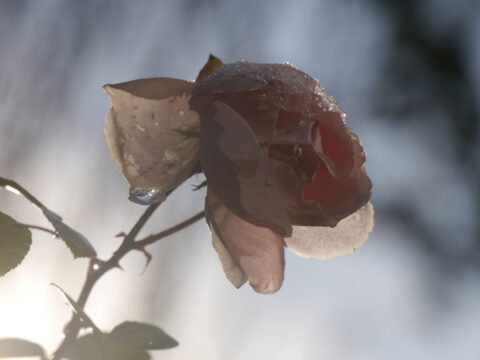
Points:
x=319 y=242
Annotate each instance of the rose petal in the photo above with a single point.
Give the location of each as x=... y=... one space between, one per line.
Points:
x=293 y=128
x=342 y=195
x=256 y=250
x=258 y=108
x=328 y=243
x=318 y=147
x=151 y=133
x=300 y=211
x=232 y=271
x=236 y=169
x=298 y=89
x=152 y=88
x=212 y=65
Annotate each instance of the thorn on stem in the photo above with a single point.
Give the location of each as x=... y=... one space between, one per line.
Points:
x=147 y=255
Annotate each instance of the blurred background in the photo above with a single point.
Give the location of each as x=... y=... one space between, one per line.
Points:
x=407 y=73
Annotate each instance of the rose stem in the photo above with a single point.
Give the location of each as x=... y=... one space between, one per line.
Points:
x=128 y=243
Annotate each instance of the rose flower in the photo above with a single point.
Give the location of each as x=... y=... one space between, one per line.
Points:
x=282 y=168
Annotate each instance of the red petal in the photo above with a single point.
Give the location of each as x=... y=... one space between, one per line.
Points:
x=351 y=189
x=236 y=169
x=300 y=211
x=256 y=250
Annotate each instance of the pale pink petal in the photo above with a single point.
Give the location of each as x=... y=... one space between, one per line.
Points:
x=254 y=250
x=232 y=271
x=320 y=242
x=151 y=133
x=236 y=169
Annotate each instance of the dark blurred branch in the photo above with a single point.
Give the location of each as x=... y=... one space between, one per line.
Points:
x=423 y=235
x=427 y=73
x=430 y=68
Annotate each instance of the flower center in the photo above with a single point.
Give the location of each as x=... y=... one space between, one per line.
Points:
x=319 y=155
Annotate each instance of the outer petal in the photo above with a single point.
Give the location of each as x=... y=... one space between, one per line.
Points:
x=236 y=169
x=232 y=271
x=151 y=133
x=328 y=243
x=244 y=248
x=299 y=90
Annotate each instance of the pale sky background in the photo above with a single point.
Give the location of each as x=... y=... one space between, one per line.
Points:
x=397 y=297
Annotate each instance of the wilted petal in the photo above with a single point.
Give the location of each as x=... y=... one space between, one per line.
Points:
x=328 y=243
x=254 y=250
x=212 y=65
x=232 y=271
x=151 y=133
x=236 y=169
x=152 y=88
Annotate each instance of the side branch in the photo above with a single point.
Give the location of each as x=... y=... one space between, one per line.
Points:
x=155 y=237
x=128 y=244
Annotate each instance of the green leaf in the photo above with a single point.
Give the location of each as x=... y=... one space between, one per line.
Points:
x=76 y=242
x=13 y=347
x=93 y=347
x=142 y=336
x=15 y=241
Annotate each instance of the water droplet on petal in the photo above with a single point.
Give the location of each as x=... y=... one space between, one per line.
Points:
x=344 y=117
x=180 y=112
x=146 y=196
